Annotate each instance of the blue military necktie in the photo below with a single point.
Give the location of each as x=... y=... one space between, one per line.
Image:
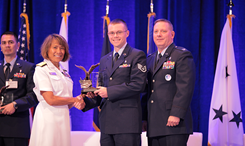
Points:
x=115 y=58
x=7 y=71
x=159 y=57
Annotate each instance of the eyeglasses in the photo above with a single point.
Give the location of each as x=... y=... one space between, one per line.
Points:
x=117 y=33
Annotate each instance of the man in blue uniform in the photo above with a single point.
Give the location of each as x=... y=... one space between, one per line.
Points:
x=171 y=81
x=18 y=97
x=122 y=76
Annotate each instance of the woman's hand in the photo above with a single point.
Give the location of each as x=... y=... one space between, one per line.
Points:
x=79 y=104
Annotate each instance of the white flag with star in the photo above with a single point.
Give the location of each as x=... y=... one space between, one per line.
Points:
x=64 y=33
x=225 y=117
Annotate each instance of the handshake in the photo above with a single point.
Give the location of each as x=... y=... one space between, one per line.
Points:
x=79 y=102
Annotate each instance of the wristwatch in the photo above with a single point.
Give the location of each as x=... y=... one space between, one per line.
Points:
x=15 y=104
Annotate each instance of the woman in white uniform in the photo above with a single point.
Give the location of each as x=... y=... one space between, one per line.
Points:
x=53 y=87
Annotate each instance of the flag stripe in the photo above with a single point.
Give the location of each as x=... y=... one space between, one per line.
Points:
x=23 y=52
x=23 y=39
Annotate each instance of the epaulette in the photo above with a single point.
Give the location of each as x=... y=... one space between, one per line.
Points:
x=181 y=48
x=42 y=64
x=149 y=55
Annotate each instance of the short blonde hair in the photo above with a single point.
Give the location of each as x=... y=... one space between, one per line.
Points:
x=47 y=44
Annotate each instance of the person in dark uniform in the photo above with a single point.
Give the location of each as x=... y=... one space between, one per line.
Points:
x=122 y=77
x=171 y=80
x=19 y=95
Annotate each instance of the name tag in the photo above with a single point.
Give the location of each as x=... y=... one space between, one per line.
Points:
x=12 y=84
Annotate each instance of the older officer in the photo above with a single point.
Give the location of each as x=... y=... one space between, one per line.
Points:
x=171 y=81
x=18 y=74
x=53 y=87
x=122 y=74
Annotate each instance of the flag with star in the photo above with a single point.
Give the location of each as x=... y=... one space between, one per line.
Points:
x=225 y=117
x=24 y=38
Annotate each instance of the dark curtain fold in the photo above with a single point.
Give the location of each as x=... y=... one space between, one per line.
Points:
x=197 y=23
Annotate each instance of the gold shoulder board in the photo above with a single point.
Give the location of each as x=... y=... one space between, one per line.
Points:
x=42 y=64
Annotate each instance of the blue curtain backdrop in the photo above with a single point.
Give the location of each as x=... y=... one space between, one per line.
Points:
x=197 y=23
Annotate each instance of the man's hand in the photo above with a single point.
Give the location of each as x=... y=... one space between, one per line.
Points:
x=102 y=92
x=79 y=104
x=173 y=121
x=8 y=109
x=90 y=95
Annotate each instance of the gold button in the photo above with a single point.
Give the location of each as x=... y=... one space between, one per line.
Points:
x=110 y=78
x=153 y=81
x=152 y=91
x=152 y=101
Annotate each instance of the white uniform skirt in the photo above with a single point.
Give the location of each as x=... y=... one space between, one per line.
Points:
x=51 y=126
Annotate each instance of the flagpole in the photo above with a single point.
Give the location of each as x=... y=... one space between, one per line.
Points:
x=65 y=6
x=66 y=13
x=231 y=4
x=24 y=6
x=151 y=6
x=106 y=15
x=64 y=31
x=230 y=15
x=107 y=8
x=150 y=44
x=25 y=16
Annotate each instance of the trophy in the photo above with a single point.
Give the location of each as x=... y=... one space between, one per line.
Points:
x=86 y=84
x=2 y=101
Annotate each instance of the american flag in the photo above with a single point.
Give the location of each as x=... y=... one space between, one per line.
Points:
x=23 y=38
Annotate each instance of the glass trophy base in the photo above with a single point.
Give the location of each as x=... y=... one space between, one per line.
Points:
x=89 y=89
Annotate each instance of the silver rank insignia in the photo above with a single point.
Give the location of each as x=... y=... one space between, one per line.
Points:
x=142 y=68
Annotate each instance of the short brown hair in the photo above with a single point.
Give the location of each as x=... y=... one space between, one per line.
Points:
x=117 y=21
x=47 y=44
x=164 y=20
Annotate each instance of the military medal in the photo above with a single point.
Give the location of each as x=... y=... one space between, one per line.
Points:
x=168 y=65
